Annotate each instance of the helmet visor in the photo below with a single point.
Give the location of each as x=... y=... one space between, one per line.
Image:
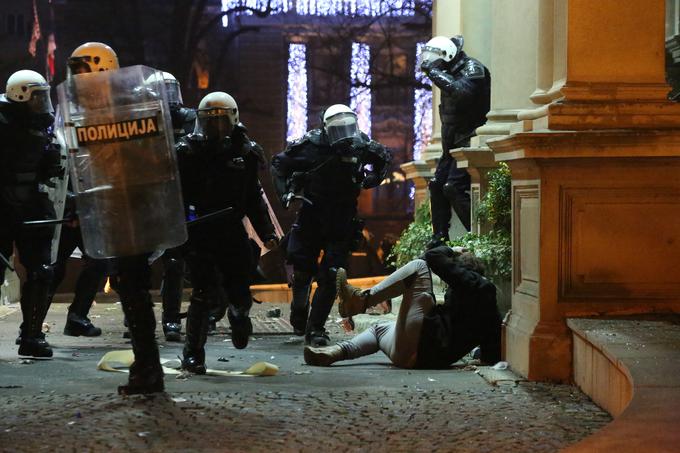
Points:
x=174 y=93
x=431 y=54
x=214 y=123
x=40 y=101
x=341 y=127
x=79 y=65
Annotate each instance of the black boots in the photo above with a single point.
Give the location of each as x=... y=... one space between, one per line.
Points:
x=299 y=306
x=145 y=378
x=80 y=325
x=241 y=328
x=172 y=331
x=196 y=336
x=34 y=305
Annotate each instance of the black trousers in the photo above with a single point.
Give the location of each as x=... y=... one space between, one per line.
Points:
x=450 y=188
x=92 y=275
x=332 y=230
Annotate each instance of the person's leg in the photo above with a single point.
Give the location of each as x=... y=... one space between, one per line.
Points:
x=235 y=263
x=355 y=300
x=35 y=256
x=204 y=289
x=134 y=281
x=440 y=206
x=171 y=293
x=302 y=252
x=457 y=189
x=367 y=342
x=399 y=341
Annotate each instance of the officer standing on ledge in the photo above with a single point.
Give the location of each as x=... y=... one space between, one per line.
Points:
x=465 y=85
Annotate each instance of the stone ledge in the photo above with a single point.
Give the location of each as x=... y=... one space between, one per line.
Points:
x=630 y=367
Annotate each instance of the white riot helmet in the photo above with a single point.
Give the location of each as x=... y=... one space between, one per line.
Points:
x=30 y=88
x=216 y=116
x=439 y=48
x=172 y=88
x=92 y=57
x=340 y=123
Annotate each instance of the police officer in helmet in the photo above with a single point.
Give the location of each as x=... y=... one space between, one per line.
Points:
x=27 y=160
x=327 y=169
x=219 y=167
x=465 y=86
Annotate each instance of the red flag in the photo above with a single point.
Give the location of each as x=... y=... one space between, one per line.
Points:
x=51 y=47
x=35 y=35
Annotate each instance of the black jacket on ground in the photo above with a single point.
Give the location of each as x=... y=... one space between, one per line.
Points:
x=468 y=318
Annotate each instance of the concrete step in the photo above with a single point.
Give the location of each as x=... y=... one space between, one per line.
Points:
x=630 y=368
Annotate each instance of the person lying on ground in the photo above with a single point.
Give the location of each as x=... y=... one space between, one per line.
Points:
x=425 y=335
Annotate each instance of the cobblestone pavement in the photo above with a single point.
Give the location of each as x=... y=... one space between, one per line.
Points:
x=366 y=405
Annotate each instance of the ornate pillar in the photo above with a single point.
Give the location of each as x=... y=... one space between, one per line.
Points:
x=596 y=216
x=512 y=63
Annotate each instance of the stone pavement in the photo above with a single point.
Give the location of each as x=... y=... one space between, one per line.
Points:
x=65 y=404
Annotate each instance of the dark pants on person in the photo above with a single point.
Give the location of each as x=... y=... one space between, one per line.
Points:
x=173 y=284
x=35 y=256
x=92 y=274
x=331 y=229
x=450 y=188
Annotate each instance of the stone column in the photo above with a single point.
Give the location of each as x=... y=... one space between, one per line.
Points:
x=596 y=216
x=513 y=79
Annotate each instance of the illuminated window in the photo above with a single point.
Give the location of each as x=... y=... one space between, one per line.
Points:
x=422 y=110
x=297 y=91
x=325 y=7
x=360 y=93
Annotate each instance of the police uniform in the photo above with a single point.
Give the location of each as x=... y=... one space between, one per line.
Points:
x=331 y=180
x=216 y=175
x=26 y=161
x=465 y=100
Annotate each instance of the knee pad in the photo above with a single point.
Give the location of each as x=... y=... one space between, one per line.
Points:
x=44 y=272
x=450 y=191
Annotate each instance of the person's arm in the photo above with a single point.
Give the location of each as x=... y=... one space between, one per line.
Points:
x=442 y=261
x=461 y=88
x=288 y=169
x=380 y=158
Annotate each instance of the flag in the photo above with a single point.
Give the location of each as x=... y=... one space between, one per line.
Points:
x=35 y=35
x=51 y=47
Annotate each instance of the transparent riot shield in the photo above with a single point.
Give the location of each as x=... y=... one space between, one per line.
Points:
x=58 y=188
x=123 y=168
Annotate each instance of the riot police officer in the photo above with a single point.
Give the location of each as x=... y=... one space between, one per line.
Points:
x=28 y=159
x=87 y=58
x=112 y=180
x=183 y=120
x=330 y=166
x=465 y=86
x=218 y=167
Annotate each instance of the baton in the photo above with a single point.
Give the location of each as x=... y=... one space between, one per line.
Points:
x=6 y=261
x=45 y=223
x=208 y=217
x=290 y=197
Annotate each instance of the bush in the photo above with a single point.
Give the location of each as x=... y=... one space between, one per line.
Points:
x=413 y=241
x=493 y=248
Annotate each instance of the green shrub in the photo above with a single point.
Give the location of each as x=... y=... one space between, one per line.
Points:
x=493 y=248
x=412 y=242
x=495 y=207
